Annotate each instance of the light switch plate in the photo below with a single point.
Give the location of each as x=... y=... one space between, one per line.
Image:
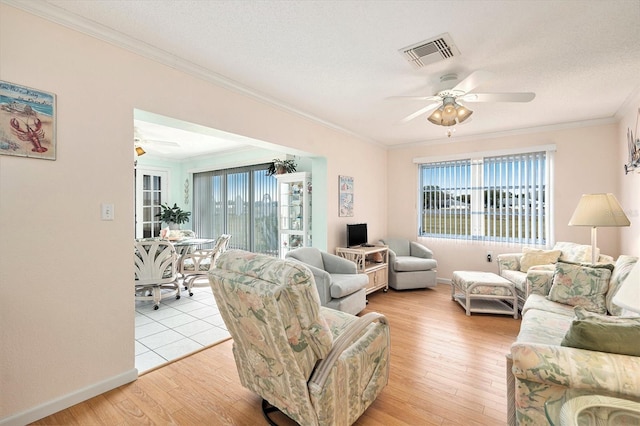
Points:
x=106 y=211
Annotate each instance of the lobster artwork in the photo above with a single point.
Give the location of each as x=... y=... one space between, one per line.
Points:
x=32 y=133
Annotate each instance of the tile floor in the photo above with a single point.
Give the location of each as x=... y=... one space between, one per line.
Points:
x=177 y=328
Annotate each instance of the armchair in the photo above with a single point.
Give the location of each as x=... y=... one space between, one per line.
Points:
x=411 y=265
x=317 y=365
x=535 y=276
x=339 y=284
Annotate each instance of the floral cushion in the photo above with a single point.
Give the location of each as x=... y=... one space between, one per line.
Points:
x=533 y=257
x=518 y=278
x=486 y=283
x=572 y=252
x=189 y=266
x=579 y=285
x=539 y=302
x=543 y=327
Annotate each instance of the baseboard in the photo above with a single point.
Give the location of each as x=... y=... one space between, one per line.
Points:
x=66 y=401
x=444 y=281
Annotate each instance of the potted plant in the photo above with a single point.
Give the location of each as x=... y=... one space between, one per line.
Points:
x=173 y=216
x=278 y=167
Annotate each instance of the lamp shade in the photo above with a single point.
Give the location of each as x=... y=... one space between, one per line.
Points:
x=140 y=151
x=598 y=210
x=628 y=295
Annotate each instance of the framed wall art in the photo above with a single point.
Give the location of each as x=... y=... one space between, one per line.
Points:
x=633 y=142
x=27 y=122
x=345 y=194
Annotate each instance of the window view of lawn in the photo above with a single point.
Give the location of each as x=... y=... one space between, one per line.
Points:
x=490 y=198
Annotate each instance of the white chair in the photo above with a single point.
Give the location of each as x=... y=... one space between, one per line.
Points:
x=156 y=265
x=197 y=264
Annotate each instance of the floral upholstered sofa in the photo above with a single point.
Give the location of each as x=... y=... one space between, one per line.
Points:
x=532 y=269
x=551 y=360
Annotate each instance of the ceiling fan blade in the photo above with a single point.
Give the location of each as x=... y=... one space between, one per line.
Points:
x=472 y=81
x=498 y=97
x=164 y=143
x=421 y=111
x=416 y=98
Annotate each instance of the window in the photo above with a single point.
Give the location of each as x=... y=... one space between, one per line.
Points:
x=151 y=191
x=241 y=202
x=498 y=198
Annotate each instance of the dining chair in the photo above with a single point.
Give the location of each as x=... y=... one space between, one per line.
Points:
x=196 y=265
x=156 y=265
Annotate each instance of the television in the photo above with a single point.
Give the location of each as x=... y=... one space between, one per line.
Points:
x=357 y=234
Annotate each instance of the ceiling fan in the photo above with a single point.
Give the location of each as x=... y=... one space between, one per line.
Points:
x=158 y=145
x=445 y=107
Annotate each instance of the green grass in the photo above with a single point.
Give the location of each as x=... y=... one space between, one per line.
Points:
x=459 y=224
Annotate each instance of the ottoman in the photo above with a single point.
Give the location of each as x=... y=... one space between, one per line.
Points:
x=484 y=292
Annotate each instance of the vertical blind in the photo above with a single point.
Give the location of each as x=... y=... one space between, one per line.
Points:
x=446 y=201
x=499 y=198
x=515 y=198
x=240 y=202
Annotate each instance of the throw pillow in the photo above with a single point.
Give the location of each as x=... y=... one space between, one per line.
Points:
x=572 y=252
x=534 y=257
x=580 y=285
x=595 y=332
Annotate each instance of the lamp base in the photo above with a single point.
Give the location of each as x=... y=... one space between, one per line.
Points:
x=594 y=244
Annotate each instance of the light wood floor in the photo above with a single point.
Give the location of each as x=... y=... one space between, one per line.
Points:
x=446 y=369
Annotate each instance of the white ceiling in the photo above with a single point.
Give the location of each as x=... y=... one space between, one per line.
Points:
x=338 y=61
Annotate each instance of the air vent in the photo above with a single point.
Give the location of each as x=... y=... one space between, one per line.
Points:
x=430 y=51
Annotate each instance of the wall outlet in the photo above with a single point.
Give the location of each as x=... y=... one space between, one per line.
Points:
x=489 y=256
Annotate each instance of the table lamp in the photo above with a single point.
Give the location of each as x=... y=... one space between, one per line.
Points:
x=628 y=295
x=596 y=210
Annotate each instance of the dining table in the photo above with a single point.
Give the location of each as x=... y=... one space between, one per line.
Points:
x=185 y=245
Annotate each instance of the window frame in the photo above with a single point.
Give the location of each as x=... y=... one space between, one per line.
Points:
x=478 y=185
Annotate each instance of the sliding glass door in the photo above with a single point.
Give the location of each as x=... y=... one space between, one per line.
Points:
x=241 y=202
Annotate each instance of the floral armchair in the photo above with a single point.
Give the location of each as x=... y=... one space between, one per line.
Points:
x=317 y=365
x=535 y=277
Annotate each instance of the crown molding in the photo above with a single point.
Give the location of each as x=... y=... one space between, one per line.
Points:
x=68 y=19
x=515 y=132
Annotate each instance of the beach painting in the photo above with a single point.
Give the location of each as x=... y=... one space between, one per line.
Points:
x=27 y=122
x=345 y=191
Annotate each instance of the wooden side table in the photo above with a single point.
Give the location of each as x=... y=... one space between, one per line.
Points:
x=373 y=261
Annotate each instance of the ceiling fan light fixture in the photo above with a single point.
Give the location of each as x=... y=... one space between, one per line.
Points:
x=450 y=113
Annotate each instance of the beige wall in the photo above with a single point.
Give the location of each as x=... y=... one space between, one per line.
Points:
x=67 y=331
x=585 y=162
